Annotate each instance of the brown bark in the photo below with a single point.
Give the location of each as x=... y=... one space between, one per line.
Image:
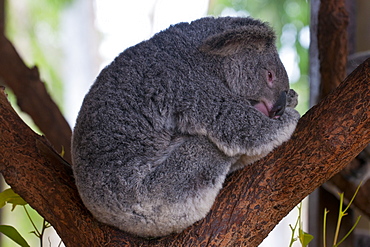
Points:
x=252 y=201
x=332 y=44
x=33 y=97
x=332 y=41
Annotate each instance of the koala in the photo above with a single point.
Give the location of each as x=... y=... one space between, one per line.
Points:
x=171 y=117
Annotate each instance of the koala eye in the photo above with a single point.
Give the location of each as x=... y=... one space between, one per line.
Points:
x=270 y=77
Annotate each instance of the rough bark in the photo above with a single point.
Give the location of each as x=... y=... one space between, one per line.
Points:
x=332 y=44
x=332 y=39
x=252 y=201
x=33 y=98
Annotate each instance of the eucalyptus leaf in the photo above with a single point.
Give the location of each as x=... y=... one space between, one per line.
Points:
x=14 y=235
x=9 y=196
x=304 y=238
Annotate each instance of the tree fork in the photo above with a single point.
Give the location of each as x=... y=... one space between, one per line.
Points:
x=252 y=201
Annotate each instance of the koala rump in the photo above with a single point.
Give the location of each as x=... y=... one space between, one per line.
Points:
x=170 y=117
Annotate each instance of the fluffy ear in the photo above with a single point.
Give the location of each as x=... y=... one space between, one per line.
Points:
x=234 y=41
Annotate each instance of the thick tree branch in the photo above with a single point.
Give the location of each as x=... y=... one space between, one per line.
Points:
x=253 y=200
x=33 y=98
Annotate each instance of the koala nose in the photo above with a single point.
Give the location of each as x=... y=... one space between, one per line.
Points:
x=279 y=106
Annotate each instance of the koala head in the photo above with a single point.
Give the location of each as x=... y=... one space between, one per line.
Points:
x=251 y=66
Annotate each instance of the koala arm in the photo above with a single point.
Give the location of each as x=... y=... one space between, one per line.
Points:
x=236 y=127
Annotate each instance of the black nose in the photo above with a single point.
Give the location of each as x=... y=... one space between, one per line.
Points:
x=279 y=106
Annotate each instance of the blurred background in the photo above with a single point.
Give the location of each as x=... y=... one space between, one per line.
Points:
x=70 y=41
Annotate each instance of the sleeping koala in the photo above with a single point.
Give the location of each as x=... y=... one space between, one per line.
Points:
x=169 y=118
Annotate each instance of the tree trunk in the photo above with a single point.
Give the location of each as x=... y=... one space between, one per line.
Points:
x=33 y=98
x=252 y=201
x=332 y=44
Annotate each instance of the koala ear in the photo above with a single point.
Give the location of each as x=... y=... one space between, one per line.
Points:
x=234 y=41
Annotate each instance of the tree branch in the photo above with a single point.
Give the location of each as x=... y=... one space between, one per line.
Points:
x=33 y=98
x=252 y=201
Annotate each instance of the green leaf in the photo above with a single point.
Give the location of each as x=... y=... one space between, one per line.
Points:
x=14 y=235
x=304 y=238
x=9 y=196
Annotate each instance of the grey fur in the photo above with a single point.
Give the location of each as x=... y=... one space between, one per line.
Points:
x=167 y=120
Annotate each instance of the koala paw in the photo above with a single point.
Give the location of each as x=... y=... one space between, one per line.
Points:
x=292 y=98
